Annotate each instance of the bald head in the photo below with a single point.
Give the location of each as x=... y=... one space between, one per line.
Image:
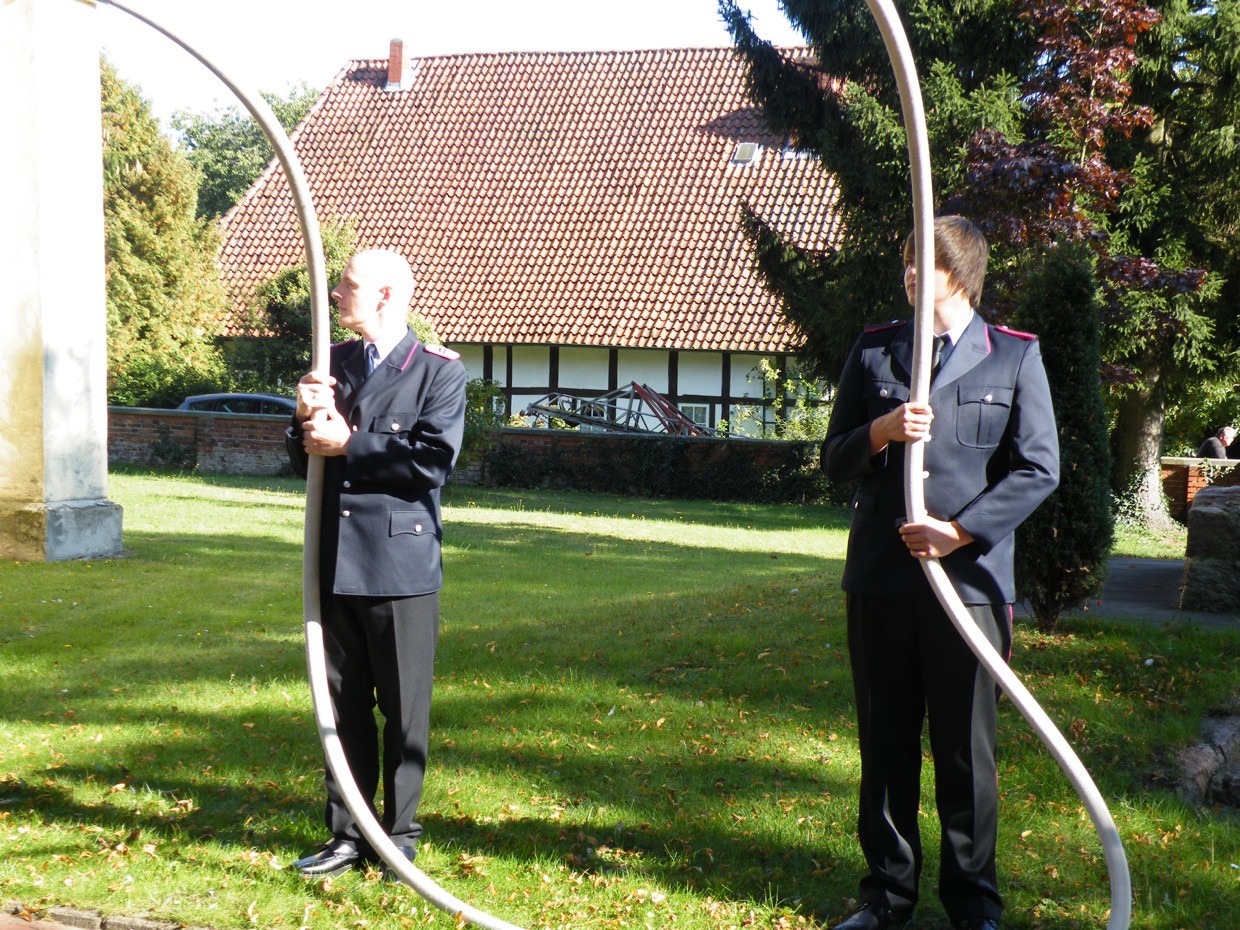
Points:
x=387 y=268
x=374 y=293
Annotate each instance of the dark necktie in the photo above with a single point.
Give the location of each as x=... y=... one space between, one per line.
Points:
x=372 y=358
x=939 y=352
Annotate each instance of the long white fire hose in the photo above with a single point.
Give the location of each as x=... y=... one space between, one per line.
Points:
x=898 y=51
x=315 y=657
x=914 y=120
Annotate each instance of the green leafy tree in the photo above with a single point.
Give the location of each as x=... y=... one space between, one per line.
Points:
x=484 y=415
x=1062 y=549
x=164 y=296
x=230 y=150
x=274 y=350
x=799 y=406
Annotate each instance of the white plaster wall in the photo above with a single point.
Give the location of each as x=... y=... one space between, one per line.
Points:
x=584 y=369
x=471 y=356
x=746 y=381
x=530 y=365
x=700 y=373
x=648 y=366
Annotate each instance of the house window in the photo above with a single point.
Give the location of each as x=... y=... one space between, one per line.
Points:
x=698 y=413
x=746 y=153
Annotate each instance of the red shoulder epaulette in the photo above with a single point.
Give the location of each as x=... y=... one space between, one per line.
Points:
x=882 y=326
x=442 y=352
x=1028 y=337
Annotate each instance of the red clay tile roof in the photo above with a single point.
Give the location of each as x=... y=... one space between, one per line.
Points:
x=570 y=198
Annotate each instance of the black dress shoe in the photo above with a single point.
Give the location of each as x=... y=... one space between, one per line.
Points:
x=409 y=852
x=977 y=923
x=873 y=917
x=336 y=857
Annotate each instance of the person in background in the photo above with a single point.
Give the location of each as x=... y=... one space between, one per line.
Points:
x=992 y=456
x=388 y=417
x=1216 y=446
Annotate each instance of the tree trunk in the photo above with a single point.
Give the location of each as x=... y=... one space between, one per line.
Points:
x=1137 y=445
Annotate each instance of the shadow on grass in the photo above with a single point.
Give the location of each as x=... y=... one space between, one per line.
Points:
x=159 y=653
x=663 y=837
x=163 y=655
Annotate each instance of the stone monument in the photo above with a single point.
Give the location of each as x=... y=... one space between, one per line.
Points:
x=53 y=358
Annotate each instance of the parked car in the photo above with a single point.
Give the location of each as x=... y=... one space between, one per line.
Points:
x=240 y=403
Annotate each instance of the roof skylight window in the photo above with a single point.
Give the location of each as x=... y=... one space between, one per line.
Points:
x=746 y=153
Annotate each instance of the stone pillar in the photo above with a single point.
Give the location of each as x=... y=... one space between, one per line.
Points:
x=53 y=358
x=1212 y=566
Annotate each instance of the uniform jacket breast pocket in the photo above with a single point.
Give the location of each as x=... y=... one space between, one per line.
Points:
x=393 y=423
x=982 y=414
x=882 y=396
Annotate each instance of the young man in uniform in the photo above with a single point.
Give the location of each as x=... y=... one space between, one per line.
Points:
x=388 y=418
x=991 y=457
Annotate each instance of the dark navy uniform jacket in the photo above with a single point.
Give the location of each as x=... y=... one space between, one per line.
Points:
x=993 y=456
x=381 y=520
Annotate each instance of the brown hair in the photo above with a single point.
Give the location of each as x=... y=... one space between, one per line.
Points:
x=960 y=249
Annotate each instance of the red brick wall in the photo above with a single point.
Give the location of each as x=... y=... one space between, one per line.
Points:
x=243 y=444
x=1182 y=478
x=238 y=444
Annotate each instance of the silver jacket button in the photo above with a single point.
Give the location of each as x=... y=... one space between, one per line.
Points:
x=347 y=484
x=988 y=398
x=344 y=513
x=417 y=527
x=882 y=393
x=395 y=425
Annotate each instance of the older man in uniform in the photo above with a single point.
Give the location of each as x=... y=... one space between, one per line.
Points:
x=389 y=418
x=991 y=457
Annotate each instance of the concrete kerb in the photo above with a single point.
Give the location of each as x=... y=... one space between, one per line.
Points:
x=14 y=916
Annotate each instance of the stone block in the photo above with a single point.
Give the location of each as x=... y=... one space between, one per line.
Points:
x=1212 y=567
x=137 y=923
x=1214 y=524
x=72 y=917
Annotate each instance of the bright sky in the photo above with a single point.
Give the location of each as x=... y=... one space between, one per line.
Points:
x=271 y=45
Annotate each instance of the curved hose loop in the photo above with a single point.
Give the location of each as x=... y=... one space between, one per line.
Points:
x=315 y=656
x=898 y=50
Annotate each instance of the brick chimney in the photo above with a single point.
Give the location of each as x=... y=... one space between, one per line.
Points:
x=400 y=68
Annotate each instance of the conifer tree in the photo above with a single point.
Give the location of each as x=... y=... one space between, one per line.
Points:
x=842 y=106
x=1062 y=549
x=1106 y=122
x=164 y=295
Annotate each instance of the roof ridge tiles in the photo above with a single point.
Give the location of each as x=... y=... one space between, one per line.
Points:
x=726 y=51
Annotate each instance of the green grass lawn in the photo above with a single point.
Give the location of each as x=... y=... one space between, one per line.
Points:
x=642 y=719
x=1138 y=542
